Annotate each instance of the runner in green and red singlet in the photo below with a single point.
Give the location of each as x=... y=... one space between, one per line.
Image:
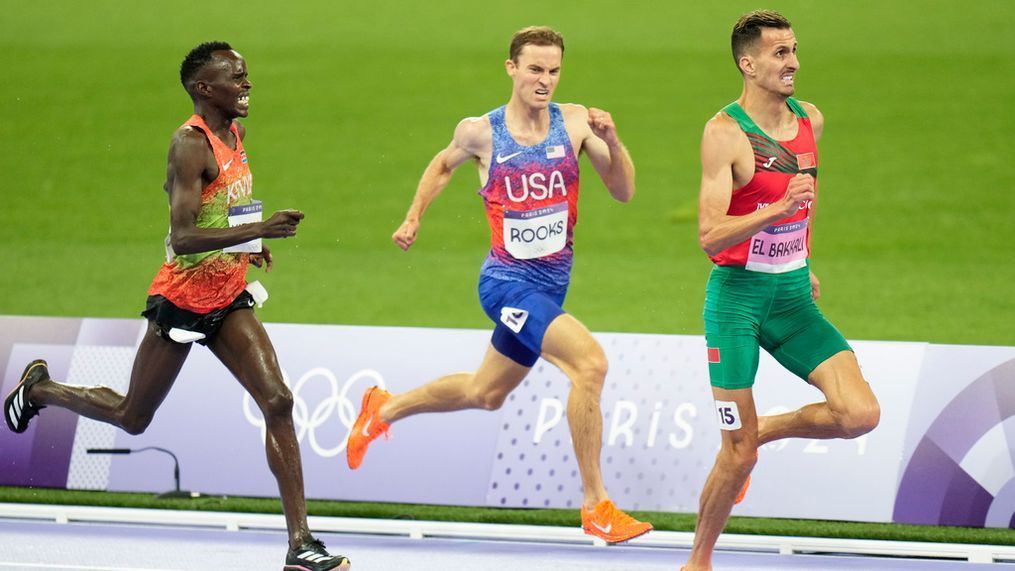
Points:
x=758 y=191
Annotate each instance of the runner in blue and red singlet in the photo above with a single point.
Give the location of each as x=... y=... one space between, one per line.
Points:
x=527 y=152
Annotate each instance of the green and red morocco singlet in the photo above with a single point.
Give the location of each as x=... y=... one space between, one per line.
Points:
x=785 y=245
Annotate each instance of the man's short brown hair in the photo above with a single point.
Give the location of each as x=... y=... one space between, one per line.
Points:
x=536 y=36
x=748 y=28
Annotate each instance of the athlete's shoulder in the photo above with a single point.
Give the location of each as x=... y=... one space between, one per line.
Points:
x=573 y=110
x=723 y=128
x=189 y=146
x=816 y=117
x=574 y=114
x=576 y=118
x=809 y=108
x=472 y=132
x=189 y=137
x=722 y=141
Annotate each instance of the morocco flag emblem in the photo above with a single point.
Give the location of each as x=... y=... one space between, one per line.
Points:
x=713 y=355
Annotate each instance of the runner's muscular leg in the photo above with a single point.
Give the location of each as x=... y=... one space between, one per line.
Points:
x=733 y=464
x=485 y=388
x=569 y=345
x=156 y=365
x=244 y=348
x=850 y=408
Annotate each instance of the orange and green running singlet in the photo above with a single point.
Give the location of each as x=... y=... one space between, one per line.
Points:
x=207 y=281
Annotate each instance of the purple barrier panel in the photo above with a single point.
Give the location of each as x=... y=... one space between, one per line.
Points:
x=959 y=468
x=948 y=419
x=35 y=330
x=216 y=429
x=659 y=433
x=40 y=456
x=851 y=480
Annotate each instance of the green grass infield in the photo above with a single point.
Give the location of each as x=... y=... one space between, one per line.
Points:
x=556 y=517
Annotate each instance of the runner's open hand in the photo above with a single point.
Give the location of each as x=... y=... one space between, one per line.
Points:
x=602 y=126
x=282 y=224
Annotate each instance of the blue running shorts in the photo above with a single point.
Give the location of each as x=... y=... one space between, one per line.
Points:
x=522 y=312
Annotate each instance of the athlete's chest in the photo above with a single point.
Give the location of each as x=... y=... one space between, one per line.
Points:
x=231 y=182
x=532 y=175
x=764 y=162
x=527 y=163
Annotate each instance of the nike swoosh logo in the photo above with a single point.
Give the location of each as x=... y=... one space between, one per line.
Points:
x=606 y=529
x=769 y=163
x=503 y=158
x=225 y=167
x=366 y=427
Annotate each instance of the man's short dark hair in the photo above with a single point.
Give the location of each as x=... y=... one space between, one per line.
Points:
x=748 y=28
x=198 y=58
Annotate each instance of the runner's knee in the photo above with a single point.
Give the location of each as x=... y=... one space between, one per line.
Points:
x=591 y=370
x=136 y=423
x=488 y=393
x=859 y=419
x=740 y=454
x=490 y=399
x=277 y=403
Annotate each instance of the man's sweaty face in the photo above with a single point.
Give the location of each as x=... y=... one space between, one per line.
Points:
x=536 y=74
x=776 y=62
x=227 y=75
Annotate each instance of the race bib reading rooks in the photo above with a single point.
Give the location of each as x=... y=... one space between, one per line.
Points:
x=535 y=233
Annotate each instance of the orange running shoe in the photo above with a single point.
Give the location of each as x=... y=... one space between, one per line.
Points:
x=611 y=525
x=368 y=426
x=743 y=491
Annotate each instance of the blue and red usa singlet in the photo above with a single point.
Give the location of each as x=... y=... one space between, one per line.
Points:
x=531 y=199
x=785 y=245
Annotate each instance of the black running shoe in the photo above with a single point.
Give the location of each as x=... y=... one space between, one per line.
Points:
x=312 y=556
x=17 y=409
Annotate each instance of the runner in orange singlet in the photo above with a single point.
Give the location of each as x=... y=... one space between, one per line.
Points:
x=201 y=293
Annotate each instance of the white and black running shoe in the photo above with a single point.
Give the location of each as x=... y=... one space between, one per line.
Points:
x=17 y=408
x=312 y=556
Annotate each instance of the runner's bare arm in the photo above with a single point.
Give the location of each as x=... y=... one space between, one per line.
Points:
x=716 y=229
x=816 y=117
x=464 y=145
x=607 y=153
x=188 y=160
x=817 y=127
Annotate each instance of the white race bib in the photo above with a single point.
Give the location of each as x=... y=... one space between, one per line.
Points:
x=535 y=233
x=245 y=214
x=778 y=249
x=728 y=414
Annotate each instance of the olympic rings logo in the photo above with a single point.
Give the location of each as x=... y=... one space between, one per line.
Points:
x=307 y=421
